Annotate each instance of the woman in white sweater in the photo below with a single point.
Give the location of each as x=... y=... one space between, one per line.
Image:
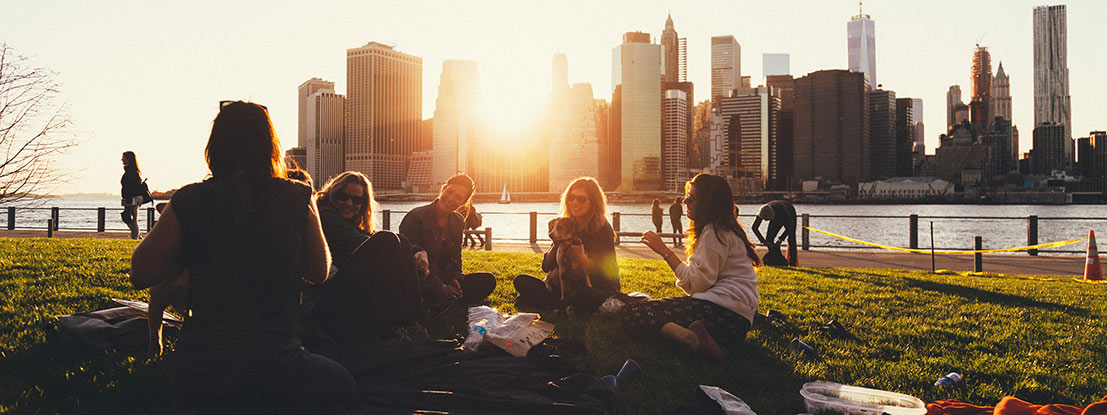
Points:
x=719 y=277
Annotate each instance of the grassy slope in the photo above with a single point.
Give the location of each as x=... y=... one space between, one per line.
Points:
x=1040 y=340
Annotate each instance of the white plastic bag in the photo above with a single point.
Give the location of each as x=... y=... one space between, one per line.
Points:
x=481 y=320
x=519 y=333
x=730 y=404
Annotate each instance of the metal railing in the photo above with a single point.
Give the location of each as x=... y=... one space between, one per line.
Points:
x=55 y=220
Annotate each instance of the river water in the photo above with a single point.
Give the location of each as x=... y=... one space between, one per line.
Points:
x=1001 y=226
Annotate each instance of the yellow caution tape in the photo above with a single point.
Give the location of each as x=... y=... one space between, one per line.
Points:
x=927 y=251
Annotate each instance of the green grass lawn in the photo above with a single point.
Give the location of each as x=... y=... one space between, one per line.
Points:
x=1043 y=340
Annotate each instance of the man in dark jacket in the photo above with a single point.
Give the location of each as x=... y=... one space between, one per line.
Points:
x=437 y=228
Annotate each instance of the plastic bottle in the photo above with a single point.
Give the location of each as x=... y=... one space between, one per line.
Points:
x=476 y=335
x=948 y=380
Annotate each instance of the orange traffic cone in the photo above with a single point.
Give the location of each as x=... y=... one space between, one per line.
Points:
x=1092 y=270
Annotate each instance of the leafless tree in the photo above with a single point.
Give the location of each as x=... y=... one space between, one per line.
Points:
x=33 y=129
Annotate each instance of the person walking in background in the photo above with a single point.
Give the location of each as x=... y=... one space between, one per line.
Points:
x=473 y=220
x=719 y=277
x=132 y=192
x=781 y=216
x=247 y=236
x=658 y=214
x=675 y=214
x=374 y=294
x=585 y=203
x=437 y=227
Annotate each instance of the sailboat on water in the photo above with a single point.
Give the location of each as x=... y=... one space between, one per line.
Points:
x=505 y=198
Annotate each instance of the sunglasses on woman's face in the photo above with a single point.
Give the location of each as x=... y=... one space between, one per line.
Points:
x=578 y=199
x=342 y=197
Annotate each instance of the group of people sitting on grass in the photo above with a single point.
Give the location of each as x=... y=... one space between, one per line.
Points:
x=273 y=264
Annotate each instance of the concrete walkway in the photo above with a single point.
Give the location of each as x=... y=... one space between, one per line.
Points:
x=1069 y=265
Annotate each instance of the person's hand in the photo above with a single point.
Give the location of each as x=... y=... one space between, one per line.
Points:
x=421 y=263
x=452 y=289
x=653 y=240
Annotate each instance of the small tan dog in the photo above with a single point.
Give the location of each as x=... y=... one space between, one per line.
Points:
x=569 y=275
x=173 y=291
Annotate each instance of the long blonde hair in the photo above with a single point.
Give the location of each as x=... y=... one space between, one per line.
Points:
x=364 y=218
x=597 y=201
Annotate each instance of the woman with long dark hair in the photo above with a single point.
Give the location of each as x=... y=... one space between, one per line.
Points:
x=132 y=192
x=719 y=277
x=246 y=236
x=584 y=202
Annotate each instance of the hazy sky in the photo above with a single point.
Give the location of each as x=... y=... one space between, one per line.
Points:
x=148 y=76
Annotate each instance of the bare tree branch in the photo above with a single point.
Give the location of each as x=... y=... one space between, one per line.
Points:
x=33 y=129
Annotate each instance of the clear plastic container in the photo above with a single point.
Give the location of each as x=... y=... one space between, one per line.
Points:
x=822 y=397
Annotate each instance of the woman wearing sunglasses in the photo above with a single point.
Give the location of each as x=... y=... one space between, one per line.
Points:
x=585 y=203
x=373 y=295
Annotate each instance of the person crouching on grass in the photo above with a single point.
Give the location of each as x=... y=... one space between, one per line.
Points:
x=719 y=277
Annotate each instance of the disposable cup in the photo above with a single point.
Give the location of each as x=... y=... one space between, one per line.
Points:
x=629 y=371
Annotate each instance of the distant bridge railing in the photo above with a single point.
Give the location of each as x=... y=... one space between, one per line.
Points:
x=97 y=220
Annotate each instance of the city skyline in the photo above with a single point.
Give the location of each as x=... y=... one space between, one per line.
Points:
x=175 y=71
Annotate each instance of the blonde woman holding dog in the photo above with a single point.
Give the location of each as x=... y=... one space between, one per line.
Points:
x=719 y=277
x=246 y=236
x=584 y=202
x=374 y=295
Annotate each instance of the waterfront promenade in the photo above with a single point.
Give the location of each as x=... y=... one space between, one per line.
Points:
x=1067 y=265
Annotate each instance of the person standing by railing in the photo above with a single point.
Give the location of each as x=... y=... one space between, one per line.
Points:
x=675 y=214
x=132 y=192
x=657 y=214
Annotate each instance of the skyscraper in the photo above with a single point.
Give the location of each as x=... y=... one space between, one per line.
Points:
x=303 y=92
x=1049 y=150
x=676 y=53
x=882 y=134
x=384 y=109
x=1001 y=94
x=786 y=85
x=454 y=119
x=861 y=38
x=325 y=117
x=919 y=149
x=758 y=111
x=981 y=105
x=831 y=137
x=1098 y=140
x=726 y=65
x=560 y=81
x=953 y=99
x=1051 y=70
x=905 y=137
x=674 y=140
x=775 y=64
x=574 y=150
x=636 y=83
